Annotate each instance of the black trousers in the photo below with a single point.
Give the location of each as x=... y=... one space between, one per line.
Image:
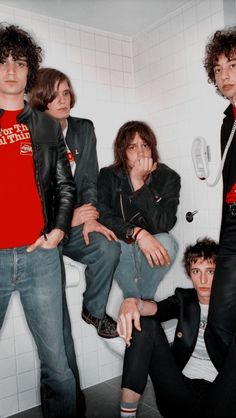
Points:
x=221 y=324
x=176 y=395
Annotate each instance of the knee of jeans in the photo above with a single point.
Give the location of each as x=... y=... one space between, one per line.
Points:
x=170 y=244
x=109 y=250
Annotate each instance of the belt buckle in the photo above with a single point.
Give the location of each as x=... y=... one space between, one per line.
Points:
x=232 y=209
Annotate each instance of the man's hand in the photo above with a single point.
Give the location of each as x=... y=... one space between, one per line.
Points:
x=141 y=170
x=84 y=213
x=153 y=249
x=128 y=313
x=94 y=226
x=51 y=240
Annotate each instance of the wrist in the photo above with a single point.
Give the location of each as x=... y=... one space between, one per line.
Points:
x=143 y=233
x=140 y=305
x=137 y=231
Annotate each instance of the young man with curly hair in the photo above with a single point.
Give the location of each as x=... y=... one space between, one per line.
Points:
x=37 y=197
x=220 y=65
x=185 y=381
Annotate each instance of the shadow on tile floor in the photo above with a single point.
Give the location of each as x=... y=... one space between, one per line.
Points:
x=103 y=401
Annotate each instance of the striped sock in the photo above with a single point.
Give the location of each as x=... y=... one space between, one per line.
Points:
x=128 y=409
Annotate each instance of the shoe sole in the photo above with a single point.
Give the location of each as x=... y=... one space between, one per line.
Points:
x=107 y=336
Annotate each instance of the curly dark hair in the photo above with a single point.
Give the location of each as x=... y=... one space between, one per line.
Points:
x=222 y=42
x=18 y=43
x=44 y=90
x=126 y=134
x=205 y=248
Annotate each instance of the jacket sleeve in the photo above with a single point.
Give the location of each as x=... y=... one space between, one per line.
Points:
x=87 y=193
x=64 y=188
x=168 y=308
x=159 y=210
x=106 y=204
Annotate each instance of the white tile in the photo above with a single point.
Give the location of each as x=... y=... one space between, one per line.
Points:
x=74 y=53
x=116 y=62
x=117 y=78
x=56 y=30
x=59 y=50
x=87 y=40
x=203 y=9
x=20 y=325
x=105 y=372
x=115 y=46
x=153 y=37
x=72 y=36
x=25 y=362
x=23 y=343
x=88 y=56
x=128 y=80
x=26 y=381
x=28 y=399
x=102 y=59
x=9 y=406
x=8 y=387
x=128 y=65
x=7 y=367
x=101 y=43
x=127 y=49
x=41 y=26
x=103 y=76
x=7 y=330
x=7 y=348
x=104 y=93
x=92 y=369
x=189 y=16
x=117 y=94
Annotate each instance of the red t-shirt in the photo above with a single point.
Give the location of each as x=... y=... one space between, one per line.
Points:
x=21 y=215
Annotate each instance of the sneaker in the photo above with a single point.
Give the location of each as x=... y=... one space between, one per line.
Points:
x=106 y=327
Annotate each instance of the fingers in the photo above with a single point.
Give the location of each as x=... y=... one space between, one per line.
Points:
x=146 y=164
x=35 y=244
x=124 y=328
x=137 y=321
x=157 y=257
x=108 y=234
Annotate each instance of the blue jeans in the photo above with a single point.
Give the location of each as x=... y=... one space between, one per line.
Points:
x=101 y=257
x=37 y=278
x=134 y=275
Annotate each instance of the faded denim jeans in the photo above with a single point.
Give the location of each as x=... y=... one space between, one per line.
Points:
x=134 y=275
x=37 y=278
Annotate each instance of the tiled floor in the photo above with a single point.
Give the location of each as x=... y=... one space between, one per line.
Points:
x=103 y=401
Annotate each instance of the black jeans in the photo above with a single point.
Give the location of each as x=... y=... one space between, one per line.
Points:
x=222 y=310
x=176 y=395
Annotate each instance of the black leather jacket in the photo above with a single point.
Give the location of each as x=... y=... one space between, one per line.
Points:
x=153 y=207
x=81 y=141
x=52 y=170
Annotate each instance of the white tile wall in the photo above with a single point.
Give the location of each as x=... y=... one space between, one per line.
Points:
x=157 y=77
